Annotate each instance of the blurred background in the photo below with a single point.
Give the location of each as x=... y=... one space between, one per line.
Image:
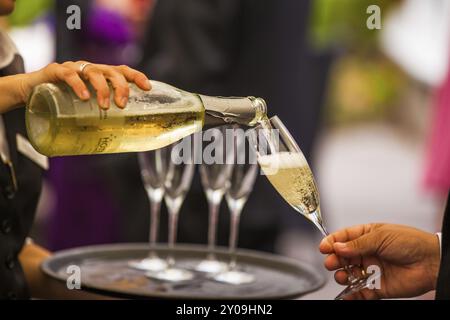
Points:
x=363 y=105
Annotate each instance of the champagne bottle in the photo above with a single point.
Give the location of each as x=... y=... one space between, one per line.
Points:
x=59 y=123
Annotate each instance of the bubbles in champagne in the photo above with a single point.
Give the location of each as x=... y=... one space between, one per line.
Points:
x=291 y=176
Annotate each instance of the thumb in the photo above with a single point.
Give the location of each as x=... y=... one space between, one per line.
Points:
x=362 y=246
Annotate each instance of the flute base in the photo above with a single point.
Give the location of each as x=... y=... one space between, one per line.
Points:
x=235 y=277
x=171 y=275
x=211 y=266
x=149 y=264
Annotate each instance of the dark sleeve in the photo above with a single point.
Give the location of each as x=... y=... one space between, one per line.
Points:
x=443 y=288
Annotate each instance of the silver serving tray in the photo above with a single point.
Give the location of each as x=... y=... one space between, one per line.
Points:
x=104 y=270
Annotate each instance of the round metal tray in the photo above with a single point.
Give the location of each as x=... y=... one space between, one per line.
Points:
x=104 y=269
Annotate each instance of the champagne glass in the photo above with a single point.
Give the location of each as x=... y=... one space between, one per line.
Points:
x=177 y=184
x=153 y=166
x=285 y=166
x=242 y=179
x=214 y=177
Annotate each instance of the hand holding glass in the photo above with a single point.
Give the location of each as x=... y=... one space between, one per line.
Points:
x=288 y=171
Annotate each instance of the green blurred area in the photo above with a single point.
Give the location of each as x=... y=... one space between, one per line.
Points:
x=28 y=10
x=364 y=85
x=362 y=89
x=343 y=22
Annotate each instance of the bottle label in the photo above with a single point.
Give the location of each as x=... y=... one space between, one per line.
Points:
x=96 y=127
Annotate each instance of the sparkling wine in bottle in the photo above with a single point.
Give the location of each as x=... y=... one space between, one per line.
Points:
x=60 y=124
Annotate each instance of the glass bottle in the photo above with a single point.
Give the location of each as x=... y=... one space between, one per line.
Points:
x=60 y=124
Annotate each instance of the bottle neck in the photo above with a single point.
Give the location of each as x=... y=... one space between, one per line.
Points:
x=245 y=111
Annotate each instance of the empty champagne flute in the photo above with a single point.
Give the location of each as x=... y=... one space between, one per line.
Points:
x=214 y=177
x=177 y=184
x=285 y=166
x=242 y=179
x=153 y=166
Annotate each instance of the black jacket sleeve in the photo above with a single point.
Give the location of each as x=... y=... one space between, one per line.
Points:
x=443 y=284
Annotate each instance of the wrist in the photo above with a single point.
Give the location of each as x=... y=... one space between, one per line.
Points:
x=24 y=88
x=26 y=83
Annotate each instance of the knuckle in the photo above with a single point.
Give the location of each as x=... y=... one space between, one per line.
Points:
x=140 y=74
x=116 y=76
x=118 y=81
x=52 y=66
x=92 y=70
x=381 y=233
x=123 y=90
x=92 y=74
x=67 y=63
x=355 y=244
x=103 y=91
x=69 y=73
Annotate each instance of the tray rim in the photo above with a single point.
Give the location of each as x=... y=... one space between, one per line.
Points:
x=183 y=247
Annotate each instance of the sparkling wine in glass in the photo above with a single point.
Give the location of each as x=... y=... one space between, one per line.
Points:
x=177 y=184
x=153 y=166
x=285 y=166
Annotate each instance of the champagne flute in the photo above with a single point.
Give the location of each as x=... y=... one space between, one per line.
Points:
x=214 y=178
x=177 y=184
x=242 y=179
x=153 y=166
x=285 y=166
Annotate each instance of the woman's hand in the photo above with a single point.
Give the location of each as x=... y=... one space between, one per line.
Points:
x=98 y=75
x=408 y=258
